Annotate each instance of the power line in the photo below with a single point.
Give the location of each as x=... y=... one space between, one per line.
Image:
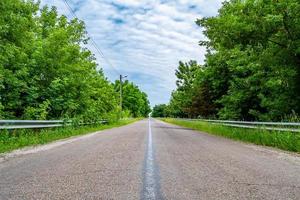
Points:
x=93 y=41
x=102 y=55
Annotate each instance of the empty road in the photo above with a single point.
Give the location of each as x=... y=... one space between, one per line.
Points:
x=151 y=160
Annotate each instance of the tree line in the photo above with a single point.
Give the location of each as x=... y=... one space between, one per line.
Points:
x=46 y=71
x=252 y=66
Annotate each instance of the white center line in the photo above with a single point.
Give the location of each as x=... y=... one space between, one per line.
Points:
x=150 y=180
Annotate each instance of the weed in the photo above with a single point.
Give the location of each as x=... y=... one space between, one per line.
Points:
x=282 y=140
x=15 y=139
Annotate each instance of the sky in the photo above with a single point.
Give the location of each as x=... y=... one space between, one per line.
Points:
x=143 y=39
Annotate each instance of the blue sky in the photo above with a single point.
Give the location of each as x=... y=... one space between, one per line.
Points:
x=144 y=39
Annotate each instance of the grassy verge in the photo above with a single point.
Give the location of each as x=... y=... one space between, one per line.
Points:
x=11 y=140
x=282 y=140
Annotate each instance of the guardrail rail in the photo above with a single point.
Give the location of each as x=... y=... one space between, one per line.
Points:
x=272 y=126
x=35 y=124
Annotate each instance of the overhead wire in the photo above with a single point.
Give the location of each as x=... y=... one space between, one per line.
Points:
x=93 y=43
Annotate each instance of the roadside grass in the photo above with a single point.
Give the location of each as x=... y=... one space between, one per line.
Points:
x=283 y=140
x=15 y=139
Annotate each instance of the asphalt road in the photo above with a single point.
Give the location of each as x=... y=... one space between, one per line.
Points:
x=151 y=160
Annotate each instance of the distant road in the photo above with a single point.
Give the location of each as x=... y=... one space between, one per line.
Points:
x=151 y=160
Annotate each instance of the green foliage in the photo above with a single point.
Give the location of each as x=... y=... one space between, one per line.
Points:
x=160 y=111
x=186 y=74
x=46 y=73
x=252 y=66
x=39 y=113
x=134 y=100
x=181 y=99
x=259 y=41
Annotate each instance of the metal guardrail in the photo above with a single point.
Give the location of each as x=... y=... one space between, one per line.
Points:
x=32 y=124
x=256 y=123
x=272 y=126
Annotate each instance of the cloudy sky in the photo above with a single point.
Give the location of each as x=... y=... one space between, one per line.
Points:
x=144 y=39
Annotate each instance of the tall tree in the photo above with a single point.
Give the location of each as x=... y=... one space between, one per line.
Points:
x=160 y=111
x=47 y=73
x=252 y=66
x=133 y=99
x=17 y=34
x=262 y=41
x=181 y=99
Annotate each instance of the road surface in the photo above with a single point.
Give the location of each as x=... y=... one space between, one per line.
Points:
x=151 y=160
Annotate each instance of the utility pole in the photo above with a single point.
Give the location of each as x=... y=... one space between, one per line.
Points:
x=121 y=94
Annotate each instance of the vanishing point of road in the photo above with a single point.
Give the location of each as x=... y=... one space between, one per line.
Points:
x=150 y=159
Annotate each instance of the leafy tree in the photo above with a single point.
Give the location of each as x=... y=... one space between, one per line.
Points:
x=17 y=33
x=133 y=99
x=262 y=40
x=47 y=73
x=186 y=74
x=252 y=66
x=181 y=99
x=159 y=111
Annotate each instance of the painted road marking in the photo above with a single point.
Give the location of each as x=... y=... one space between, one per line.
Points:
x=151 y=187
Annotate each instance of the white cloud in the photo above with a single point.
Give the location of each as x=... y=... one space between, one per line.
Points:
x=144 y=39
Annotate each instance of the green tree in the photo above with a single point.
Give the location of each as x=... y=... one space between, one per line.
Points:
x=252 y=65
x=133 y=99
x=260 y=41
x=45 y=71
x=17 y=34
x=181 y=99
x=160 y=110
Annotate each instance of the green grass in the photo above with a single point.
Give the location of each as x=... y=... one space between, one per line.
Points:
x=282 y=140
x=11 y=140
